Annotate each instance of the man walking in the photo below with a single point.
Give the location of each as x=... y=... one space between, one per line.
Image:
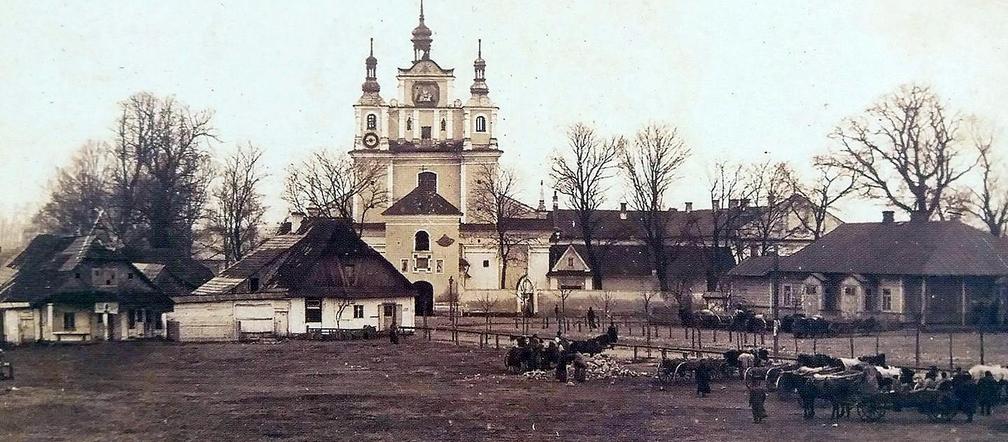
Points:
x=757 y=397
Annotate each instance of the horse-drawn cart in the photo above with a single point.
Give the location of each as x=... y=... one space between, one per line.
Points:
x=672 y=370
x=939 y=406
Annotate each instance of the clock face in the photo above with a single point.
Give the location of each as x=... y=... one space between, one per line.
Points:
x=370 y=140
x=425 y=93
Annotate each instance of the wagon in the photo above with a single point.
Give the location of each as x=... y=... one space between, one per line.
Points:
x=939 y=406
x=672 y=370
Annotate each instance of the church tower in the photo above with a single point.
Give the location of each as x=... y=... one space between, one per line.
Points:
x=431 y=146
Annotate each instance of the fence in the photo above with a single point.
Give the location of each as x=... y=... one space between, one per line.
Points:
x=906 y=347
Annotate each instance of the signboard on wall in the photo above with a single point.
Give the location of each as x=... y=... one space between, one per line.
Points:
x=111 y=308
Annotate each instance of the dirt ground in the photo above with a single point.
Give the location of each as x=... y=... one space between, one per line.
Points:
x=373 y=391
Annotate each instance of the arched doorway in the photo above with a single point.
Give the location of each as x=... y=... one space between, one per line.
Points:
x=423 y=303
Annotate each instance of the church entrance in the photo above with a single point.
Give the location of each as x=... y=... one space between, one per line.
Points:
x=424 y=301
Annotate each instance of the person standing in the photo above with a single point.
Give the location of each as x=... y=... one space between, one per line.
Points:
x=757 y=398
x=591 y=318
x=987 y=392
x=702 y=376
x=394 y=334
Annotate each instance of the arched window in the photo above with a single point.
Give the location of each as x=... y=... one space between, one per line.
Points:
x=480 y=124
x=372 y=122
x=421 y=241
x=409 y=124
x=444 y=125
x=427 y=181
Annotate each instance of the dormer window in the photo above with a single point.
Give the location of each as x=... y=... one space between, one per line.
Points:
x=480 y=124
x=253 y=284
x=372 y=122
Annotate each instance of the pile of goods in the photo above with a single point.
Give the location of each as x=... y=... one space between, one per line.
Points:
x=600 y=366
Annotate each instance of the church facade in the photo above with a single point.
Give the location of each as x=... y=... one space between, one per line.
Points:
x=432 y=148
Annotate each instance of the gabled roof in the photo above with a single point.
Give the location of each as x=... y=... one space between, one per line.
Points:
x=183 y=269
x=617 y=225
x=49 y=269
x=635 y=260
x=932 y=248
x=301 y=263
x=422 y=201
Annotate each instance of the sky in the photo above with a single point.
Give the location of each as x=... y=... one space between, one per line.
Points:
x=746 y=81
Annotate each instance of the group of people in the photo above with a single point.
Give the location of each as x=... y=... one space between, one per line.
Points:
x=971 y=393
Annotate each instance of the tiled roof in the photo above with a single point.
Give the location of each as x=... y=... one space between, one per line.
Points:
x=422 y=201
x=296 y=264
x=935 y=248
x=635 y=260
x=617 y=225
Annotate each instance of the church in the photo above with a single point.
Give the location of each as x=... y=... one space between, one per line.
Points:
x=432 y=147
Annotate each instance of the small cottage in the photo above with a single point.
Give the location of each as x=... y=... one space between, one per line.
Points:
x=931 y=272
x=317 y=275
x=72 y=288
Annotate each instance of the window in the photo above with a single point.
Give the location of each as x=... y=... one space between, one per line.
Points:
x=811 y=289
x=404 y=266
x=131 y=315
x=313 y=310
x=421 y=241
x=69 y=321
x=570 y=261
x=849 y=290
x=422 y=263
x=788 y=296
x=425 y=133
x=253 y=284
x=486 y=263
x=439 y=266
x=887 y=300
x=358 y=312
x=129 y=275
x=409 y=124
x=372 y=122
x=77 y=275
x=427 y=181
x=480 y=124
x=444 y=125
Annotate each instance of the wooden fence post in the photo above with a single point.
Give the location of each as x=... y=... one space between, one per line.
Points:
x=876 y=344
x=635 y=353
x=715 y=335
x=950 y=351
x=850 y=339
x=917 y=347
x=982 y=361
x=497 y=341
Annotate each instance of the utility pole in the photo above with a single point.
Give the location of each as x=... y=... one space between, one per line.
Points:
x=775 y=302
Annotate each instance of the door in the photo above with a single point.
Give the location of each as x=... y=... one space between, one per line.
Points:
x=280 y=323
x=389 y=316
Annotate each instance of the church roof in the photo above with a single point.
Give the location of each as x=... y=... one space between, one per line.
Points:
x=422 y=201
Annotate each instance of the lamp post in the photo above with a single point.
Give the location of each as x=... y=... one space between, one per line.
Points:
x=453 y=301
x=775 y=302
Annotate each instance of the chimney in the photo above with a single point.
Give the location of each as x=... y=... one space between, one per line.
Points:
x=887 y=216
x=744 y=203
x=918 y=216
x=556 y=203
x=689 y=206
x=313 y=212
x=715 y=204
x=622 y=210
x=296 y=218
x=542 y=198
x=733 y=203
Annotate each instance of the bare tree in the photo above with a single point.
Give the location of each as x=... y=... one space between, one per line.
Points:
x=330 y=184
x=161 y=170
x=581 y=174
x=646 y=298
x=486 y=302
x=650 y=166
x=770 y=189
x=903 y=149
x=727 y=182
x=78 y=192
x=605 y=302
x=562 y=296
x=991 y=201
x=235 y=218
x=495 y=203
x=831 y=185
